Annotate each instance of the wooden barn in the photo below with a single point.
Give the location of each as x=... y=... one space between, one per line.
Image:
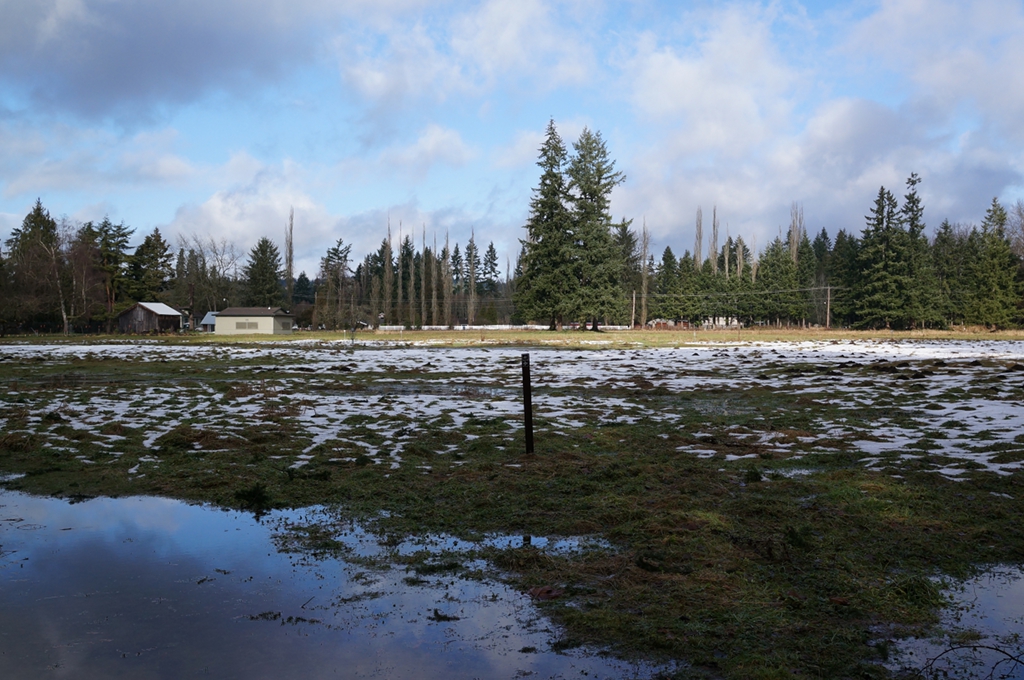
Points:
x=149 y=317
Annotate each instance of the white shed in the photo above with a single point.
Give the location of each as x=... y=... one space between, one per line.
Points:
x=248 y=320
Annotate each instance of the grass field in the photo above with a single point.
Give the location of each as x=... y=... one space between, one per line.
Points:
x=758 y=504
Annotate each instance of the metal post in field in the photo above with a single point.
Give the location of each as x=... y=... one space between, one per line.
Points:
x=527 y=403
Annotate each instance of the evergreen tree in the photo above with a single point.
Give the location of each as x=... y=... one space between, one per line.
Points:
x=490 y=271
x=544 y=282
x=667 y=289
x=922 y=288
x=303 y=289
x=995 y=272
x=807 y=304
x=951 y=258
x=776 y=280
x=884 y=263
x=628 y=252
x=113 y=251
x=263 y=275
x=333 y=297
x=149 y=268
x=844 y=277
x=595 y=263
x=38 y=275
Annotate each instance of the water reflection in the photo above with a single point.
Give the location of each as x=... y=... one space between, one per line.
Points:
x=150 y=587
x=981 y=632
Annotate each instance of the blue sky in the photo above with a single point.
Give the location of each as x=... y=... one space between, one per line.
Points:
x=216 y=117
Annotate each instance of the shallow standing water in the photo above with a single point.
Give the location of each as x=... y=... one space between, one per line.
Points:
x=155 y=588
x=980 y=636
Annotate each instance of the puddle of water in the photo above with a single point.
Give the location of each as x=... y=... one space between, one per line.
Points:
x=981 y=632
x=151 y=587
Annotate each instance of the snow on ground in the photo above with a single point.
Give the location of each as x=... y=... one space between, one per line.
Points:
x=955 y=399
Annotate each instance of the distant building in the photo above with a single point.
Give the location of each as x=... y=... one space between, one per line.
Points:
x=246 y=320
x=149 y=317
x=209 y=322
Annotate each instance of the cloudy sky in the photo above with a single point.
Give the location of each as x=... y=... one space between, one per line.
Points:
x=217 y=117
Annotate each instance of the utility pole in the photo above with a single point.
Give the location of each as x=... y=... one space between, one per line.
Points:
x=828 y=308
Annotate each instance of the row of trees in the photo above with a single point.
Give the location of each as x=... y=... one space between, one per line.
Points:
x=575 y=266
x=58 y=276
x=891 y=276
x=55 y=275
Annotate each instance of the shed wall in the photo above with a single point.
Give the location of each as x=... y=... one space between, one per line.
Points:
x=246 y=325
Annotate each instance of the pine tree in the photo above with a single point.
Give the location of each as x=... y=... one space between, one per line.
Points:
x=995 y=272
x=667 y=301
x=490 y=270
x=628 y=253
x=149 y=268
x=544 y=284
x=922 y=288
x=806 y=265
x=262 y=275
x=472 y=270
x=844 y=277
x=885 y=275
x=38 y=270
x=303 y=292
x=335 y=285
x=776 y=279
x=950 y=258
x=113 y=251
x=595 y=264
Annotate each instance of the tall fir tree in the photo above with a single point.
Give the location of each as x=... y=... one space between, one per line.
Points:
x=595 y=263
x=884 y=263
x=995 y=272
x=545 y=282
x=149 y=268
x=262 y=275
x=922 y=290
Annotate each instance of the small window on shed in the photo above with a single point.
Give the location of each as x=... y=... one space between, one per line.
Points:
x=253 y=325
x=239 y=325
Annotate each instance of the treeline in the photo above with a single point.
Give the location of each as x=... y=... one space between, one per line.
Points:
x=59 y=276
x=890 y=276
x=576 y=266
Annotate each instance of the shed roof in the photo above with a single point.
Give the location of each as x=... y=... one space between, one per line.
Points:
x=160 y=309
x=210 y=319
x=253 y=311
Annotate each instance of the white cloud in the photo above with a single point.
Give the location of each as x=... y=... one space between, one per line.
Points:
x=727 y=94
x=54 y=158
x=952 y=54
x=524 y=150
x=525 y=46
x=521 y=38
x=435 y=145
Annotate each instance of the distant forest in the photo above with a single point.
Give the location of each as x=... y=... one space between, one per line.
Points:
x=576 y=267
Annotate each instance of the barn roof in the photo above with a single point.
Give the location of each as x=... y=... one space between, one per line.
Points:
x=253 y=311
x=160 y=309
